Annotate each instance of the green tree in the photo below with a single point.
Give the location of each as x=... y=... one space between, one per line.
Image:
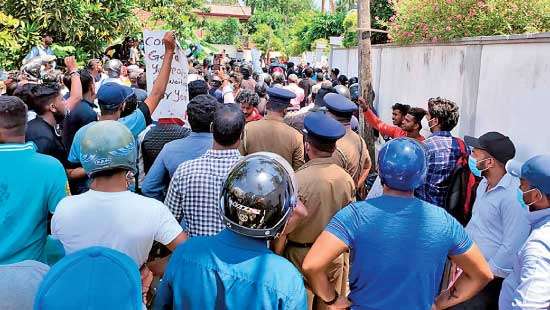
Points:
x=176 y=15
x=265 y=39
x=9 y=47
x=223 y=32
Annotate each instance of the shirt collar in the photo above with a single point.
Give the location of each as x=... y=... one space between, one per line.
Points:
x=505 y=182
x=223 y=153
x=14 y=147
x=271 y=117
x=536 y=217
x=240 y=241
x=201 y=134
x=317 y=161
x=442 y=134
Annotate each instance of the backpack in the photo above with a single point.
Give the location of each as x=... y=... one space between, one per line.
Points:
x=463 y=184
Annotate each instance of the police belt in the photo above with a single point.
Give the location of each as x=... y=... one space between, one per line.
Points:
x=298 y=244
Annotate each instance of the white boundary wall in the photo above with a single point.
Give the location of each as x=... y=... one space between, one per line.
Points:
x=501 y=83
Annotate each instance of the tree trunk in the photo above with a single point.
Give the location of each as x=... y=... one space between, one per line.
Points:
x=365 y=74
x=323 y=6
x=332 y=6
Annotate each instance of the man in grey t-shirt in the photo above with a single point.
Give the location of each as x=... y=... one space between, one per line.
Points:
x=19 y=283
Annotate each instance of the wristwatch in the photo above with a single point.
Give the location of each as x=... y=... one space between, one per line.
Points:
x=333 y=301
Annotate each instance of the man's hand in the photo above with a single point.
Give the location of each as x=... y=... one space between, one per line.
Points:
x=342 y=303
x=169 y=41
x=363 y=104
x=70 y=63
x=146 y=280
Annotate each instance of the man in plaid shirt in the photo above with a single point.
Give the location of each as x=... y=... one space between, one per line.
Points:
x=194 y=191
x=442 y=151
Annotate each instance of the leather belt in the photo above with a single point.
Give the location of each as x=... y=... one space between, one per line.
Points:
x=298 y=244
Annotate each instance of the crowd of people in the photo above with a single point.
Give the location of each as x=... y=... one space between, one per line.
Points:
x=263 y=196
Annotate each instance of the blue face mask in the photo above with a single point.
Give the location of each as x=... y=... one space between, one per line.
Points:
x=472 y=163
x=520 y=200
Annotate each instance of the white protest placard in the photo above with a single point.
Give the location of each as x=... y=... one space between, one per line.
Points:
x=176 y=97
x=256 y=62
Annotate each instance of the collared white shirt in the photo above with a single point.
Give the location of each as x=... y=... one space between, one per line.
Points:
x=499 y=225
x=528 y=286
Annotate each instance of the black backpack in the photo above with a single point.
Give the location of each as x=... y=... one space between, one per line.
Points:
x=462 y=188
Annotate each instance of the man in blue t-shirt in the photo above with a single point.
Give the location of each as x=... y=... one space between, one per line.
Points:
x=398 y=244
x=31 y=185
x=118 y=102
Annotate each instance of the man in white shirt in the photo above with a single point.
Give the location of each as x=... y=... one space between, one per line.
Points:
x=297 y=90
x=108 y=214
x=528 y=286
x=499 y=226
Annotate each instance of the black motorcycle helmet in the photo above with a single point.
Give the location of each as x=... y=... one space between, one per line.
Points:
x=258 y=196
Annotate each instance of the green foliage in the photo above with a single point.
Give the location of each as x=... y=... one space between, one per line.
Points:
x=287 y=8
x=9 y=45
x=316 y=26
x=175 y=15
x=350 y=33
x=381 y=12
x=265 y=39
x=272 y=18
x=90 y=25
x=223 y=32
x=443 y=20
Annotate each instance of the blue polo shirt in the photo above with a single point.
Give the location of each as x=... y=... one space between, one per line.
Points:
x=398 y=250
x=229 y=271
x=135 y=123
x=31 y=185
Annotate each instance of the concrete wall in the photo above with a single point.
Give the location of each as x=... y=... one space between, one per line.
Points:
x=500 y=83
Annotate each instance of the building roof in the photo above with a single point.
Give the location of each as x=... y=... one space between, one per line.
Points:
x=238 y=11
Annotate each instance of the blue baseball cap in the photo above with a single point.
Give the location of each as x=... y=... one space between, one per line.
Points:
x=111 y=95
x=320 y=126
x=536 y=171
x=93 y=278
x=339 y=105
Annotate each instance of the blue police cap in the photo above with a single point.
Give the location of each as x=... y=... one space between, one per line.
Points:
x=111 y=95
x=536 y=171
x=340 y=105
x=320 y=126
x=280 y=97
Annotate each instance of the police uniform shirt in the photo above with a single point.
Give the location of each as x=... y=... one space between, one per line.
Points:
x=351 y=154
x=272 y=135
x=324 y=189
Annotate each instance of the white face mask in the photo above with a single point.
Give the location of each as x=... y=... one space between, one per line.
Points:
x=425 y=128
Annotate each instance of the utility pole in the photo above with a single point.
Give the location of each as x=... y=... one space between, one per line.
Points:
x=365 y=72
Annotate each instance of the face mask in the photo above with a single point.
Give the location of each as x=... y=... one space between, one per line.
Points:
x=472 y=164
x=521 y=201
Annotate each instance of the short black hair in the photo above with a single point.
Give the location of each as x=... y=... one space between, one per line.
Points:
x=197 y=87
x=86 y=80
x=13 y=115
x=200 y=112
x=249 y=97
x=308 y=72
x=319 y=98
x=261 y=89
x=142 y=81
x=23 y=92
x=343 y=80
x=228 y=124
x=320 y=76
x=335 y=71
x=418 y=114
x=446 y=111
x=42 y=96
x=403 y=108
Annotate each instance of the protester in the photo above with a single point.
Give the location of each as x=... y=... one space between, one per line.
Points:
x=351 y=151
x=410 y=124
x=197 y=87
x=399 y=111
x=398 y=244
x=109 y=214
x=442 y=150
x=296 y=119
x=195 y=187
x=334 y=73
x=19 y=283
x=31 y=185
x=41 y=50
x=118 y=102
x=247 y=82
x=319 y=82
x=215 y=88
x=95 y=69
x=271 y=134
x=307 y=83
x=297 y=90
x=200 y=114
x=84 y=112
x=249 y=101
x=261 y=90
x=527 y=286
x=93 y=278
x=235 y=269
x=113 y=68
x=324 y=188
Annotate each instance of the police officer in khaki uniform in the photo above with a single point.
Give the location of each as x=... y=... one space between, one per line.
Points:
x=324 y=188
x=351 y=151
x=271 y=134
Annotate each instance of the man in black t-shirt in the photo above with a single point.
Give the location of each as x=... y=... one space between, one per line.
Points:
x=47 y=102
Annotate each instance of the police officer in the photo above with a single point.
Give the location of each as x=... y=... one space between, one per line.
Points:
x=271 y=134
x=234 y=269
x=324 y=189
x=351 y=151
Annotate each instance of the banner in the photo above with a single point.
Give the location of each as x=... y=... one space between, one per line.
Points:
x=176 y=97
x=256 y=62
